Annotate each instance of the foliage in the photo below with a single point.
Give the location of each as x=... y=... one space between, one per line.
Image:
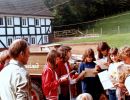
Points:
x=76 y=11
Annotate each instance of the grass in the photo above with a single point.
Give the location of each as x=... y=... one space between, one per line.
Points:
x=114 y=40
x=115 y=24
x=115 y=30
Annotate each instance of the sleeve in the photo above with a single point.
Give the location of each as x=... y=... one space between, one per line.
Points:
x=22 y=83
x=48 y=82
x=81 y=67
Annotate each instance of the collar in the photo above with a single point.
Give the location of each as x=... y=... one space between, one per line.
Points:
x=15 y=62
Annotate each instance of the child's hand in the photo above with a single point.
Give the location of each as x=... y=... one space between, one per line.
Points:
x=95 y=71
x=73 y=81
x=64 y=78
x=106 y=64
x=97 y=68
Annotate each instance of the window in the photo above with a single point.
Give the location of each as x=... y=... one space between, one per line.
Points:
x=9 y=41
x=1 y=21
x=45 y=39
x=32 y=40
x=24 y=21
x=9 y=21
x=37 y=22
x=26 y=38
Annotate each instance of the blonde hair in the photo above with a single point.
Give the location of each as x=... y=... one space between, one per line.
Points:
x=125 y=52
x=84 y=96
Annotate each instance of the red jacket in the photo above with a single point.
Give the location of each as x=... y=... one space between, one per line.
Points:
x=50 y=83
x=61 y=70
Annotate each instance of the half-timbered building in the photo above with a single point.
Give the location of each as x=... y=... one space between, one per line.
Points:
x=29 y=19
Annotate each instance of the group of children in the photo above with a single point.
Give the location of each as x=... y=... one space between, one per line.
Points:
x=58 y=79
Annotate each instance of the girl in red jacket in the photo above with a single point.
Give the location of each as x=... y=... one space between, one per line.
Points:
x=64 y=69
x=50 y=81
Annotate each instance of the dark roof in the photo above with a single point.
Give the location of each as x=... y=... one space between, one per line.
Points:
x=24 y=7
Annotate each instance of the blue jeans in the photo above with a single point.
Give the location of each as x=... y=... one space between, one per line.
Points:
x=112 y=95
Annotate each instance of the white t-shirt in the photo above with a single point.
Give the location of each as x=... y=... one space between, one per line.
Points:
x=127 y=84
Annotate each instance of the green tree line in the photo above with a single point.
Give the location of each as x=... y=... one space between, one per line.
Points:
x=77 y=11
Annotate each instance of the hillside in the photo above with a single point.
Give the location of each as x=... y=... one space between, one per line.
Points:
x=115 y=24
x=115 y=31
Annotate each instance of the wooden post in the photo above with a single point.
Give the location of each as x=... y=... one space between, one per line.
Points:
x=118 y=29
x=101 y=30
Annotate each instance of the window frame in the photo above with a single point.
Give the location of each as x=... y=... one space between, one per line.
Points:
x=2 y=21
x=24 y=22
x=9 y=40
x=37 y=22
x=10 y=21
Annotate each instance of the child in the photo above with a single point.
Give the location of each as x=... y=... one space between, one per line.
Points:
x=103 y=52
x=112 y=70
x=50 y=81
x=123 y=72
x=89 y=84
x=68 y=91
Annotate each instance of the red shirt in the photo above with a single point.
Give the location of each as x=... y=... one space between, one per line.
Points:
x=50 y=83
x=61 y=70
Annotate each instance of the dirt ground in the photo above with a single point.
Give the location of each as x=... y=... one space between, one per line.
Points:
x=76 y=48
x=80 y=48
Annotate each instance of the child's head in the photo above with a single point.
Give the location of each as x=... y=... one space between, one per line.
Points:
x=125 y=54
x=103 y=49
x=84 y=96
x=114 y=55
x=65 y=52
x=53 y=58
x=88 y=55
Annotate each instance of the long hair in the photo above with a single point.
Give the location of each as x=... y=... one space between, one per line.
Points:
x=88 y=53
x=114 y=51
x=51 y=58
x=101 y=47
x=63 y=50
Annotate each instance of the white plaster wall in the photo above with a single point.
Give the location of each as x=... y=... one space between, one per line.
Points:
x=42 y=21
x=45 y=38
x=10 y=31
x=2 y=31
x=16 y=21
x=31 y=21
x=48 y=21
x=38 y=38
x=38 y=30
x=43 y=30
x=24 y=31
x=31 y=30
x=17 y=30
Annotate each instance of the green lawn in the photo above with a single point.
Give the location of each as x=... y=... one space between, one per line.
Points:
x=115 y=24
x=115 y=30
x=114 y=40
